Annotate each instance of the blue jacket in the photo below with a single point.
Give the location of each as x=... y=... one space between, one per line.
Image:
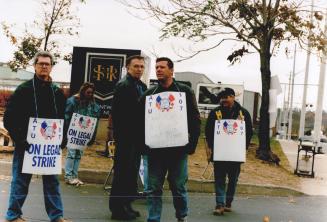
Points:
x=73 y=106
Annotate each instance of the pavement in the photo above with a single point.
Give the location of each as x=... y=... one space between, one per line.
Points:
x=194 y=185
x=90 y=204
x=310 y=186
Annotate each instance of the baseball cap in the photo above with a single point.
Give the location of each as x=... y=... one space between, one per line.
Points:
x=226 y=92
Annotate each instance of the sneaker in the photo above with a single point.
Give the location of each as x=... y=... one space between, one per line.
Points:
x=182 y=219
x=79 y=182
x=218 y=211
x=72 y=181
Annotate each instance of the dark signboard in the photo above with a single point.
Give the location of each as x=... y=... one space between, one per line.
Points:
x=101 y=66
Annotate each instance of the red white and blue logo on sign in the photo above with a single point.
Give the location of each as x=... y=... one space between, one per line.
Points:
x=48 y=131
x=165 y=103
x=230 y=129
x=84 y=122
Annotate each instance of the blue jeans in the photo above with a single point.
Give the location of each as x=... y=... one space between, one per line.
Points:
x=19 y=189
x=232 y=171
x=73 y=160
x=176 y=166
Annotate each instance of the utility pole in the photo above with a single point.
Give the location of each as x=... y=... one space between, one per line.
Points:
x=305 y=87
x=318 y=114
x=290 y=117
x=282 y=117
x=287 y=107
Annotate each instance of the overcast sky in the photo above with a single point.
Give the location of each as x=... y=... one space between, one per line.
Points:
x=107 y=24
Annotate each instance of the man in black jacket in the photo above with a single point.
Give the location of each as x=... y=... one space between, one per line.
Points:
x=37 y=97
x=126 y=125
x=170 y=159
x=229 y=109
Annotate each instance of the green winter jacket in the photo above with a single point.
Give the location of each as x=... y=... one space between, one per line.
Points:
x=47 y=102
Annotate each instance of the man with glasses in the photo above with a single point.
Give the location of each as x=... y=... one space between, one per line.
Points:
x=37 y=98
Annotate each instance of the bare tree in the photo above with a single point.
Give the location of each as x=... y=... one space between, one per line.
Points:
x=57 y=20
x=259 y=25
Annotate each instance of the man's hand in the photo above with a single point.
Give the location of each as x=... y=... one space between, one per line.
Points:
x=209 y=154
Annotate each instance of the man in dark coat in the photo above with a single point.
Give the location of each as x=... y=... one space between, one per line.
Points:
x=171 y=160
x=229 y=109
x=38 y=98
x=126 y=125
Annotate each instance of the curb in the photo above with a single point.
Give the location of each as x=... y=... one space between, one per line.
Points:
x=193 y=185
x=203 y=186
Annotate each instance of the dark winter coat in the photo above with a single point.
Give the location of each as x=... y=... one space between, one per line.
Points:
x=124 y=109
x=49 y=102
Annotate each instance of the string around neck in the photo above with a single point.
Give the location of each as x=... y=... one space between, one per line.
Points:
x=35 y=100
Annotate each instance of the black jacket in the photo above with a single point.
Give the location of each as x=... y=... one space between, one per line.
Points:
x=124 y=109
x=50 y=103
x=234 y=113
x=193 y=118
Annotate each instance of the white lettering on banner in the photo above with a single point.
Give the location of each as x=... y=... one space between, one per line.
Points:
x=229 y=140
x=166 y=120
x=80 y=131
x=43 y=156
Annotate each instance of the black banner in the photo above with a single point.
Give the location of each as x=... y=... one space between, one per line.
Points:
x=103 y=67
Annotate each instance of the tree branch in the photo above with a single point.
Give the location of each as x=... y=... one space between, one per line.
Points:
x=202 y=50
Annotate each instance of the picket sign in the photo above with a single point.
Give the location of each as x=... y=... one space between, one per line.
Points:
x=166 y=120
x=80 y=131
x=43 y=156
x=229 y=140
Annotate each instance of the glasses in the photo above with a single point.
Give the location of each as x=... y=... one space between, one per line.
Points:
x=43 y=64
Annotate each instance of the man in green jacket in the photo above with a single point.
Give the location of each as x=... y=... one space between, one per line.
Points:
x=37 y=98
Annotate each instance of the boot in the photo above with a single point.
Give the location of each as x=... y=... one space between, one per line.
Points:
x=130 y=209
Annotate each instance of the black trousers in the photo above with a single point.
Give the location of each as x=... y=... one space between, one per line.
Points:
x=124 y=184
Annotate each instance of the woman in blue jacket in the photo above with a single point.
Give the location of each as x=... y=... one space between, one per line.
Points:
x=82 y=103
